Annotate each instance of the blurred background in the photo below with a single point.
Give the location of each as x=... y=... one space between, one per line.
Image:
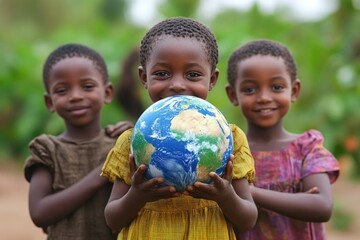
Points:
x=323 y=36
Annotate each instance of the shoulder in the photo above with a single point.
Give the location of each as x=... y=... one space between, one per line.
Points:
x=243 y=160
x=44 y=138
x=43 y=141
x=239 y=137
x=237 y=132
x=122 y=144
x=125 y=137
x=41 y=149
x=308 y=140
x=117 y=161
x=312 y=134
x=316 y=158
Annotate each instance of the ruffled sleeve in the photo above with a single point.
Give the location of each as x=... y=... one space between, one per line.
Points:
x=40 y=154
x=117 y=161
x=243 y=162
x=317 y=159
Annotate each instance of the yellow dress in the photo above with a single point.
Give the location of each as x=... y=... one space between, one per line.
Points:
x=182 y=217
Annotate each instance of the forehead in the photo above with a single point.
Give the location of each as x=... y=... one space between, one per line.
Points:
x=262 y=63
x=169 y=45
x=74 y=68
x=73 y=63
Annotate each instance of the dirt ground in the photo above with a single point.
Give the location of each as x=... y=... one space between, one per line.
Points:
x=15 y=223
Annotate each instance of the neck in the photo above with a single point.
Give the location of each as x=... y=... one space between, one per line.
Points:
x=82 y=133
x=269 y=139
x=259 y=134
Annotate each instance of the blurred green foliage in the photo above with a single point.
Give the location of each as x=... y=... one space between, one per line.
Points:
x=327 y=53
x=342 y=219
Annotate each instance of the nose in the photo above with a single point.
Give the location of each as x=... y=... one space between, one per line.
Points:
x=76 y=94
x=178 y=84
x=264 y=96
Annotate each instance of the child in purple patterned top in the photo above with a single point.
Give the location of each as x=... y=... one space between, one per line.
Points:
x=294 y=172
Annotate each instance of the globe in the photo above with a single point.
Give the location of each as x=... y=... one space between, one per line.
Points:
x=182 y=139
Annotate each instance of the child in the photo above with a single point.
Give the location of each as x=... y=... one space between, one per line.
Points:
x=262 y=81
x=178 y=57
x=67 y=196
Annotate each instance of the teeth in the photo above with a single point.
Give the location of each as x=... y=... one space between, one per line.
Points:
x=265 y=110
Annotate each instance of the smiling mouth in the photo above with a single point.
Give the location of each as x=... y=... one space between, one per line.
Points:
x=265 y=110
x=78 y=111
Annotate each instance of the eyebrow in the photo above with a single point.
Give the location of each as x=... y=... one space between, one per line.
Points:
x=195 y=64
x=161 y=64
x=278 y=78
x=188 y=65
x=86 y=78
x=247 y=80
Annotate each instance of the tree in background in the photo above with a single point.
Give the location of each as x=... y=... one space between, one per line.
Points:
x=327 y=52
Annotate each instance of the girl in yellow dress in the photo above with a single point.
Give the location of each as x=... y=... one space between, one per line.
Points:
x=178 y=57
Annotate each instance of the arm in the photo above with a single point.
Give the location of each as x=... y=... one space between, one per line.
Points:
x=303 y=206
x=47 y=207
x=122 y=208
x=239 y=208
x=126 y=201
x=232 y=196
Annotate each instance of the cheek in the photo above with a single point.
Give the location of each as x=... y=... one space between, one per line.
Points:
x=286 y=105
x=204 y=89
x=245 y=102
x=96 y=94
x=286 y=100
x=244 y=107
x=150 y=85
x=59 y=104
x=156 y=87
x=58 y=101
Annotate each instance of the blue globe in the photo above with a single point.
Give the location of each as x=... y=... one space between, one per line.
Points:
x=182 y=139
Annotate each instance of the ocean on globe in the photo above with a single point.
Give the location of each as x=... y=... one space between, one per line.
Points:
x=182 y=139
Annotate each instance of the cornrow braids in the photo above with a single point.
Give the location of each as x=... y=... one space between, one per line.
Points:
x=180 y=27
x=74 y=50
x=260 y=47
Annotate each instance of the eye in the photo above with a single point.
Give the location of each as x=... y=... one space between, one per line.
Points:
x=88 y=86
x=60 y=91
x=248 y=90
x=277 y=87
x=161 y=75
x=193 y=75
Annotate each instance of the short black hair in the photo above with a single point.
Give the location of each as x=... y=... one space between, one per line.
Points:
x=70 y=50
x=180 y=27
x=260 y=47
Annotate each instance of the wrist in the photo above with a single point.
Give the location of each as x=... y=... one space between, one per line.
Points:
x=134 y=197
x=227 y=198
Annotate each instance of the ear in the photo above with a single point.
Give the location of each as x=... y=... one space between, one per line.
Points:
x=109 y=92
x=295 y=90
x=230 y=91
x=213 y=79
x=49 y=103
x=143 y=76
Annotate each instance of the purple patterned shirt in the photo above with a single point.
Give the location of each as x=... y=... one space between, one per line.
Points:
x=283 y=171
